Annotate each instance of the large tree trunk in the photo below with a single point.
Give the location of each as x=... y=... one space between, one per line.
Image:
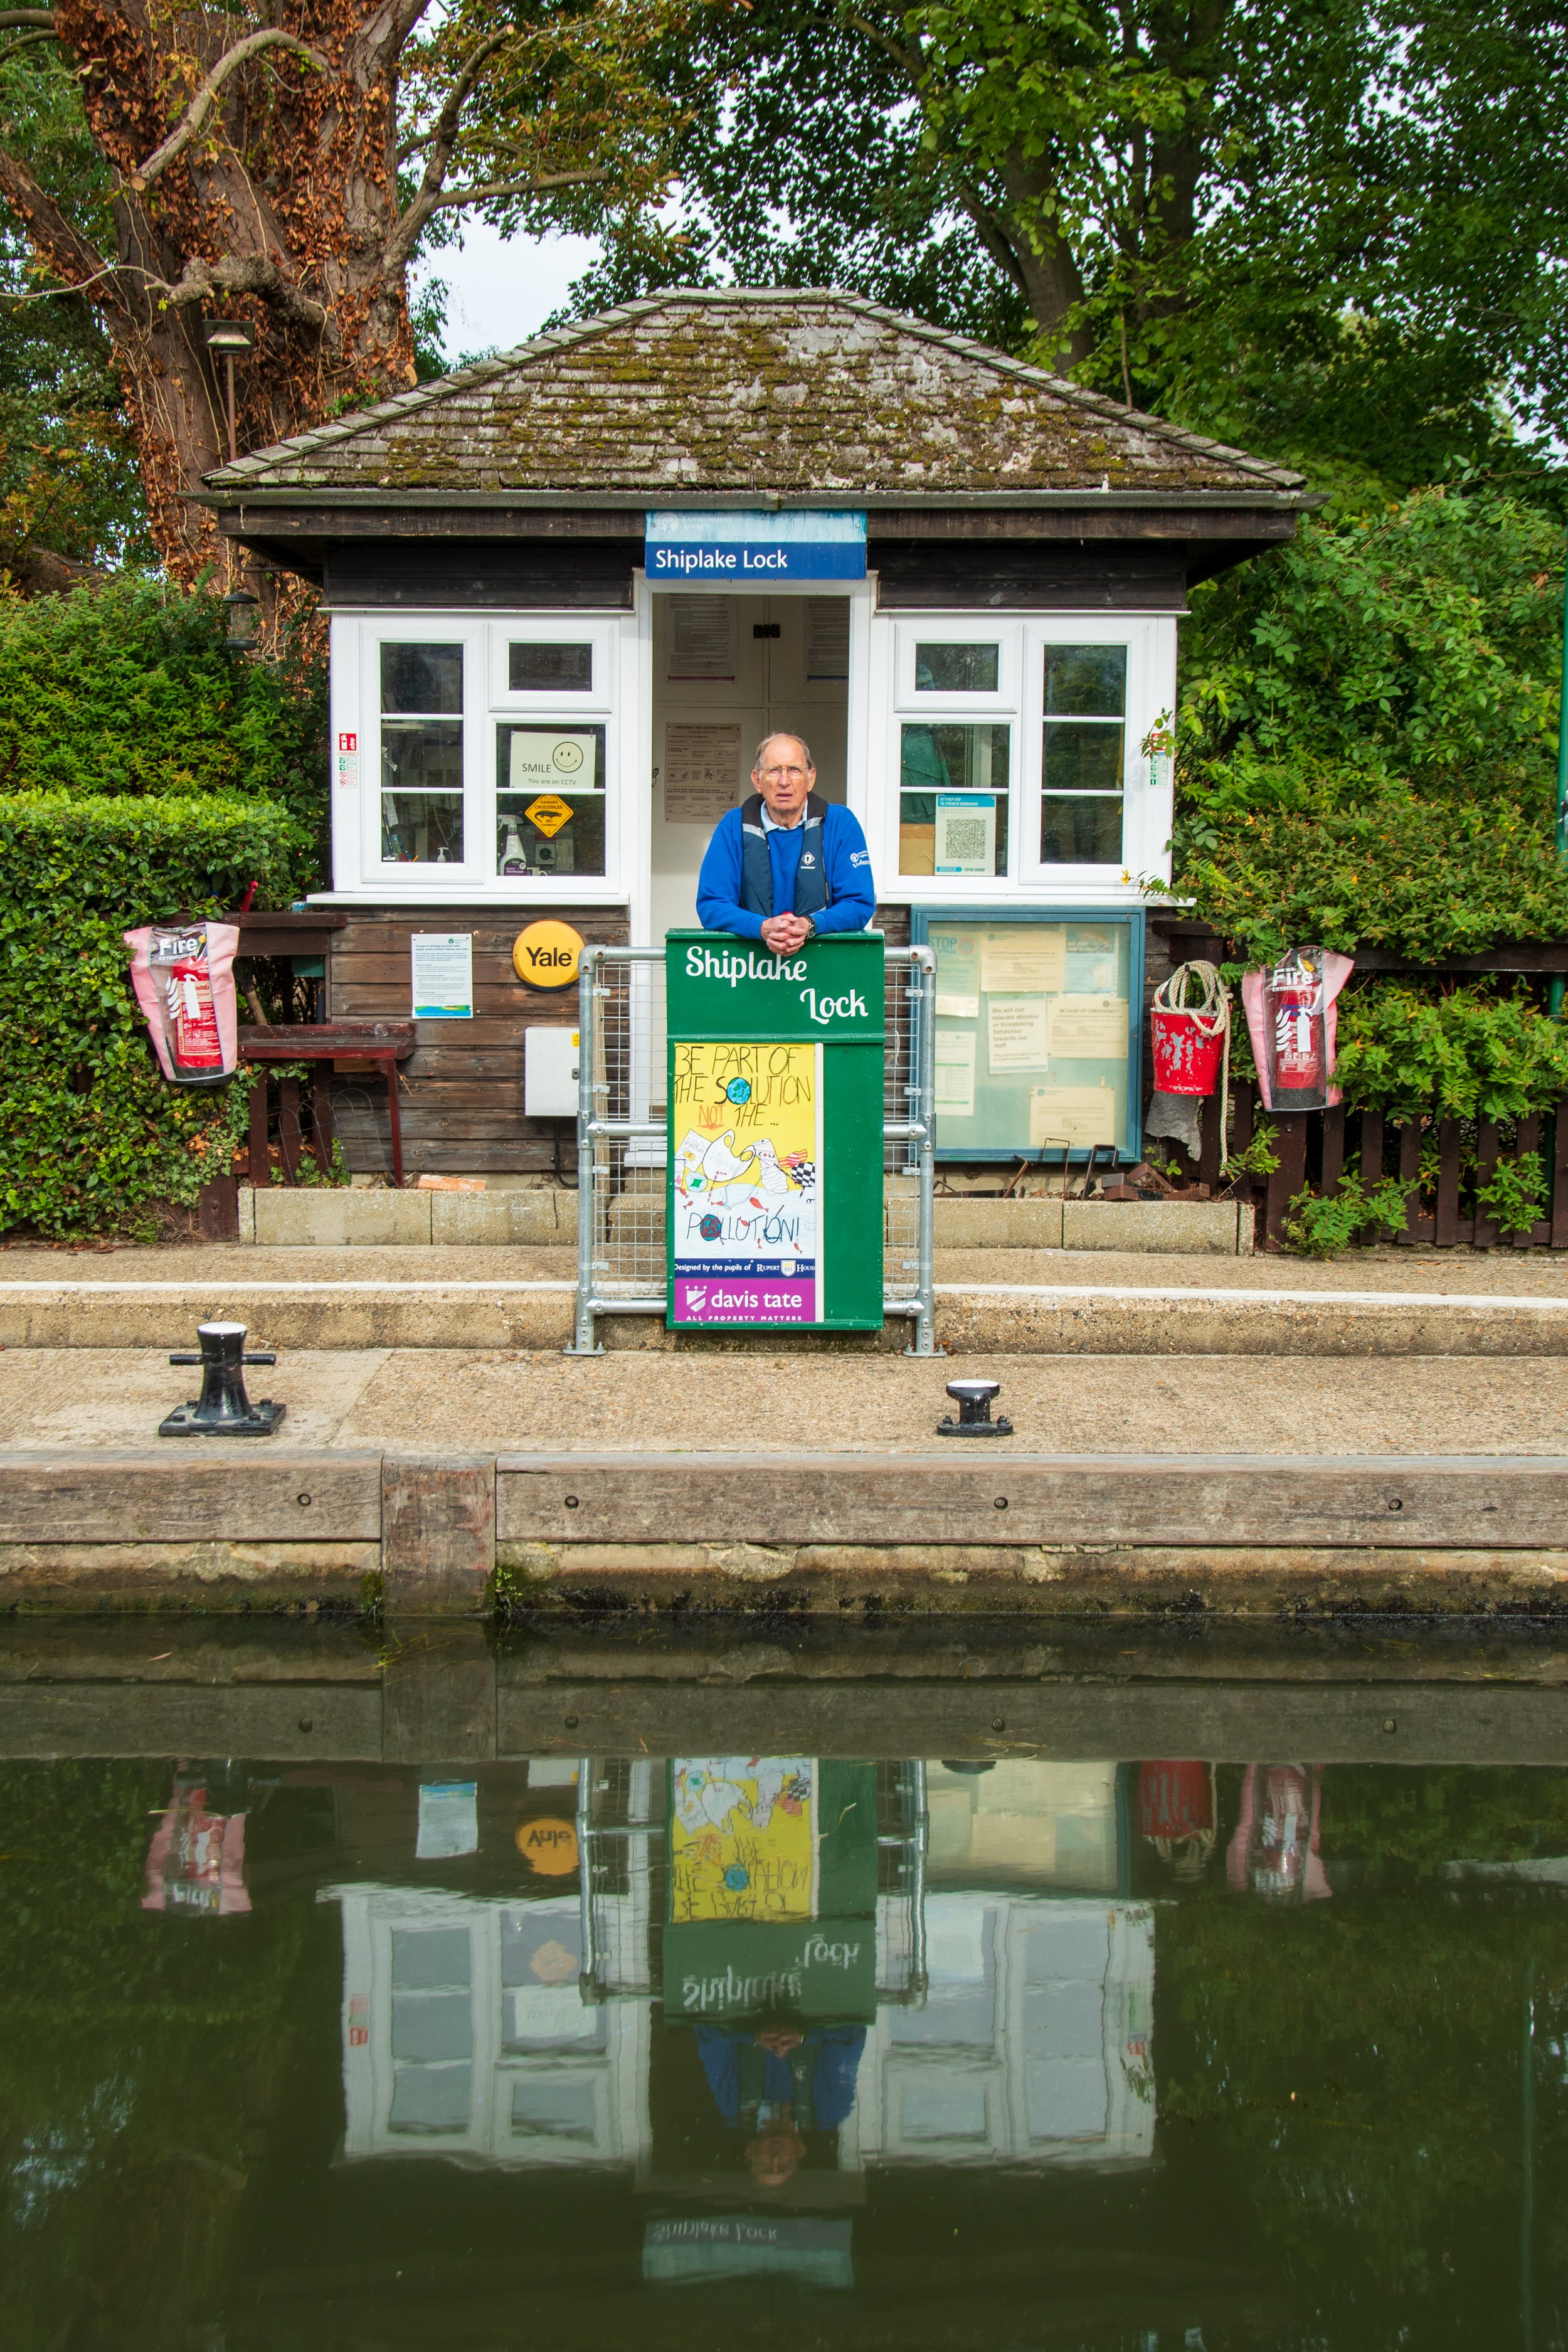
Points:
x=278 y=207
x=278 y=210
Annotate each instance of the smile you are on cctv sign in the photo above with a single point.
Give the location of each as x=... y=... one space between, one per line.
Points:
x=740 y=548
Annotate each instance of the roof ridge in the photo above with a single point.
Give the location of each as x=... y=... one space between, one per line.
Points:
x=1070 y=395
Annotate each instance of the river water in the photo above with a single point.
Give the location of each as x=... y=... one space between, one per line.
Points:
x=707 y=2050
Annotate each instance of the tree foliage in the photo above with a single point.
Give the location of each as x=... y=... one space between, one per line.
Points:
x=1331 y=233
x=1368 y=734
x=281 y=165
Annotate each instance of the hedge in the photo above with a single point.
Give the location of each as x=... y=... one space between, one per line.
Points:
x=128 y=688
x=91 y=1132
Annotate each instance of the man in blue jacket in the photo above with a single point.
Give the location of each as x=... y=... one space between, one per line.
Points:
x=786 y=865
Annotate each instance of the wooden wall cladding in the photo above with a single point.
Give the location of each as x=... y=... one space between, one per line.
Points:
x=462 y=1091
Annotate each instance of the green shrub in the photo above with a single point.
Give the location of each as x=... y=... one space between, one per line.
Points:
x=91 y=1131
x=1367 y=735
x=1322 y=1224
x=127 y=689
x=1515 y=1199
x=1465 y=1053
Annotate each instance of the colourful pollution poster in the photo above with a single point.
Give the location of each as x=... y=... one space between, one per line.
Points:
x=746 y=1122
x=742 y=1838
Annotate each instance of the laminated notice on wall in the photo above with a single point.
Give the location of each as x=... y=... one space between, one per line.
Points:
x=443 y=975
x=1072 y=1115
x=701 y=773
x=957 y=975
x=1086 y=1028
x=965 y=832
x=955 y=1073
x=1017 y=1026
x=1023 y=961
x=703 y=639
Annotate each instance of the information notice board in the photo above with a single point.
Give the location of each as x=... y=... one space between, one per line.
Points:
x=1038 y=1027
x=774 y=1200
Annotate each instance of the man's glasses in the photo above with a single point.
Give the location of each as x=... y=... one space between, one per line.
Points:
x=772 y=775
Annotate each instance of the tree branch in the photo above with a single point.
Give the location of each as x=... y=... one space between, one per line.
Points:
x=195 y=115
x=498 y=188
x=12 y=19
x=442 y=145
x=246 y=273
x=28 y=41
x=66 y=252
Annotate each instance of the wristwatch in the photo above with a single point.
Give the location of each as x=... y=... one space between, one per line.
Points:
x=811 y=927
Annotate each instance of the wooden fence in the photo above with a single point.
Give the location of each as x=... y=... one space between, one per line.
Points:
x=1316 y=1147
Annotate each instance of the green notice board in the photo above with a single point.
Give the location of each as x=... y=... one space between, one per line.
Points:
x=771 y=1895
x=774 y=1194
x=1038 y=1030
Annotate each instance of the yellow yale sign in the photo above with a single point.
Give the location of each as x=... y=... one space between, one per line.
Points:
x=546 y=954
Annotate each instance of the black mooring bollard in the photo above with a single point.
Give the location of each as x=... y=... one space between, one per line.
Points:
x=223 y=1409
x=974 y=1412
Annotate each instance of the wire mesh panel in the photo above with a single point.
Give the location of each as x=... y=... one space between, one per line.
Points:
x=622 y=1142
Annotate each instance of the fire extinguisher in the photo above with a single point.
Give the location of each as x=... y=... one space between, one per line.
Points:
x=183 y=978
x=1290 y=1014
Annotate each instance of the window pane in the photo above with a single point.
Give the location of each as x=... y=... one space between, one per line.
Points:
x=422 y=755
x=550 y=799
x=422 y=677
x=422 y=829
x=962 y=831
x=956 y=759
x=1086 y=681
x=957 y=669
x=1083 y=758
x=1081 y=832
x=550 y=670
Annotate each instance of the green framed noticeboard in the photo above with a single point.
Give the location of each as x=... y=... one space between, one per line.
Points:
x=774 y=1201
x=1038 y=1030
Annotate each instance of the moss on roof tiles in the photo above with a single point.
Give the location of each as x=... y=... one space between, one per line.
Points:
x=752 y=392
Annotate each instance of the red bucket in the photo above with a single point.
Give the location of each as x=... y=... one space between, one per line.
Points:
x=1186 y=1059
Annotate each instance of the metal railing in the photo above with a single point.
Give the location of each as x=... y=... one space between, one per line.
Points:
x=622 y=1140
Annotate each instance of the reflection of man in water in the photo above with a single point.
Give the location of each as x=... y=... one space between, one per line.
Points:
x=778 y=2085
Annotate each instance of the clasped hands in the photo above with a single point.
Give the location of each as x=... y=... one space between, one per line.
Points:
x=782 y=934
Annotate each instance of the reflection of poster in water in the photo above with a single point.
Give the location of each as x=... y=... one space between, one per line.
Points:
x=742 y=1838
x=747 y=1134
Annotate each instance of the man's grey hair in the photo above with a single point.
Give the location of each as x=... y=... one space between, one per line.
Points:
x=783 y=735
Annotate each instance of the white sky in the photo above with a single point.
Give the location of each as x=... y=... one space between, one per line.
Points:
x=502 y=289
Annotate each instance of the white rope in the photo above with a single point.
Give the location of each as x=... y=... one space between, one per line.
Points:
x=1211 y=1018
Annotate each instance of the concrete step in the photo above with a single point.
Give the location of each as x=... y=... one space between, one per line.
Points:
x=544 y=1217
x=1059 y=1318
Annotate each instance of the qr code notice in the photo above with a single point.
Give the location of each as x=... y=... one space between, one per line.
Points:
x=964 y=841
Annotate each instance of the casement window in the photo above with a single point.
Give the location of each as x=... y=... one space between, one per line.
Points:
x=476 y=754
x=1019 y=753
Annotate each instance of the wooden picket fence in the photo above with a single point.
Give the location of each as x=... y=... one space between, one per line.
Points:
x=1316 y=1147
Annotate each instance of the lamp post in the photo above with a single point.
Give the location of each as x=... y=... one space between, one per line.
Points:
x=231 y=337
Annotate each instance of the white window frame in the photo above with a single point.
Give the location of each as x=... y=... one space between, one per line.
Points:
x=554 y=630
x=359 y=876
x=1147 y=807
x=968 y=630
x=1145 y=812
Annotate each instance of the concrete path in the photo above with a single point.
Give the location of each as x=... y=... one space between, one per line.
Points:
x=441 y=1400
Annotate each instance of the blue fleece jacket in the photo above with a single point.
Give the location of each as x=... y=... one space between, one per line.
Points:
x=852 y=894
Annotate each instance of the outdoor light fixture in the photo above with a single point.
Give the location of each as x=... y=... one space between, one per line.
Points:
x=232 y=337
x=242 y=608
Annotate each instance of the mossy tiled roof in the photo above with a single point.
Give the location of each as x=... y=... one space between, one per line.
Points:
x=759 y=392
